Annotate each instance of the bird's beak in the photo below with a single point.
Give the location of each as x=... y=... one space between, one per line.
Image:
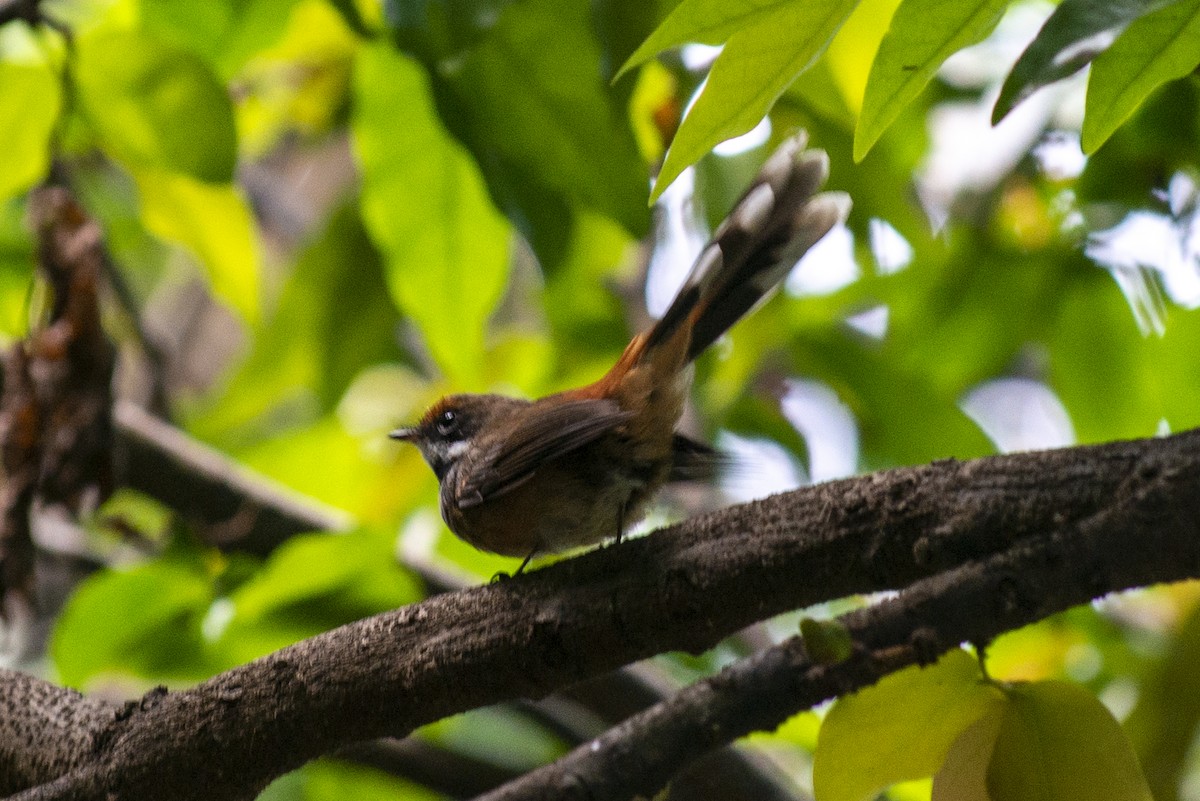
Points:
x=407 y=434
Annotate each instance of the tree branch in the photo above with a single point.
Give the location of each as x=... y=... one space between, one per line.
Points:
x=247 y=513
x=205 y=486
x=45 y=730
x=1148 y=535
x=682 y=588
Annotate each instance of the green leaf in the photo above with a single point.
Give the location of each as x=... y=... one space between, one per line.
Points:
x=214 y=222
x=311 y=566
x=533 y=86
x=346 y=337
x=335 y=780
x=704 y=21
x=307 y=349
x=963 y=775
x=226 y=33
x=826 y=641
x=425 y=205
x=304 y=567
x=900 y=729
x=1075 y=33
x=621 y=27
x=923 y=34
x=1095 y=338
x=311 y=584
x=16 y=270
x=30 y=101
x=434 y=30
x=753 y=70
x=143 y=621
x=1163 y=725
x=156 y=105
x=1057 y=742
x=1156 y=48
x=352 y=15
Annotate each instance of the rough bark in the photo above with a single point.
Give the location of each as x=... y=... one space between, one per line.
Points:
x=1151 y=534
x=1095 y=519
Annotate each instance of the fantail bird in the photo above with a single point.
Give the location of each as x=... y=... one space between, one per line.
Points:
x=575 y=468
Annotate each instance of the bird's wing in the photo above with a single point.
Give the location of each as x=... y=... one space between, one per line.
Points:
x=545 y=431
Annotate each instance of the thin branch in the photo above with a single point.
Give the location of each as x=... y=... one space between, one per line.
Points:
x=240 y=509
x=682 y=588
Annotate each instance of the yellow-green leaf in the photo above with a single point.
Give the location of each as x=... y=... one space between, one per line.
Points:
x=214 y=222
x=963 y=775
x=703 y=21
x=425 y=205
x=156 y=106
x=1163 y=724
x=756 y=66
x=1057 y=742
x=826 y=641
x=30 y=100
x=144 y=620
x=900 y=729
x=923 y=34
x=1156 y=48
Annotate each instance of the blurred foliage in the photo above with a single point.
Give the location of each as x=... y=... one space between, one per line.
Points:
x=331 y=212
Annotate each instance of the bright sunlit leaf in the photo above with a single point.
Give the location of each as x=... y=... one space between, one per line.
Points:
x=156 y=106
x=1075 y=33
x=1057 y=742
x=853 y=49
x=425 y=206
x=757 y=64
x=30 y=100
x=704 y=22
x=900 y=729
x=16 y=270
x=214 y=222
x=1156 y=48
x=923 y=34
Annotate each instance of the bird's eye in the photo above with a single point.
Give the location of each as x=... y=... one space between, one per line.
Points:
x=447 y=424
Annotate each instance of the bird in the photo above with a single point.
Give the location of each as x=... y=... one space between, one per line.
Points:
x=522 y=478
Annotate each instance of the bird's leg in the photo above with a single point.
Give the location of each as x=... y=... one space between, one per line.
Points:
x=502 y=576
x=521 y=569
x=620 y=525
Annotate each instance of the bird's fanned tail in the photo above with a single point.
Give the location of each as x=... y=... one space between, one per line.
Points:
x=777 y=219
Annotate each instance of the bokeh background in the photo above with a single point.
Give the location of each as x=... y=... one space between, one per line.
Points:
x=325 y=214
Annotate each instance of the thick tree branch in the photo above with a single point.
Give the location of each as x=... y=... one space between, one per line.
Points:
x=244 y=512
x=1147 y=536
x=45 y=730
x=683 y=588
